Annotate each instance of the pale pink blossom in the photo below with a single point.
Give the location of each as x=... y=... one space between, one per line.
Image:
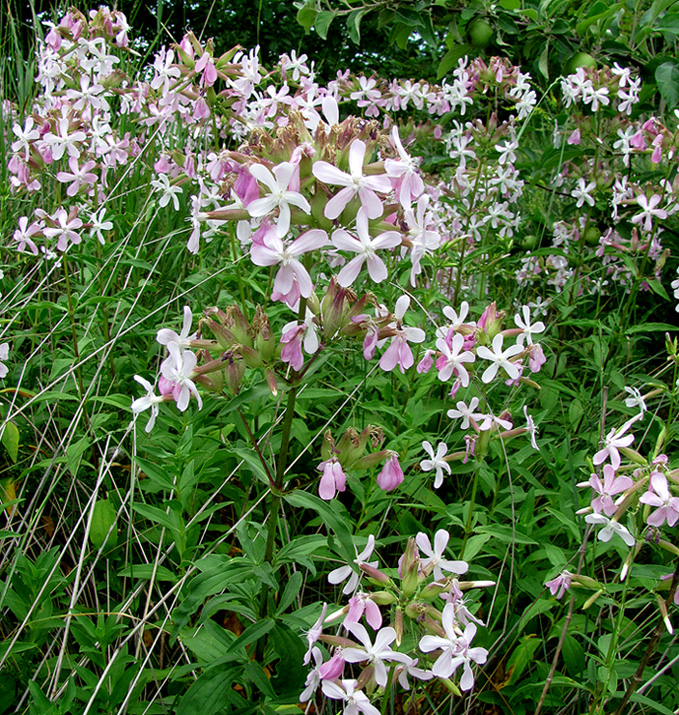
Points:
x=354 y=183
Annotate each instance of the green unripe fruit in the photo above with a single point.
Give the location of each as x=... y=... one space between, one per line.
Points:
x=480 y=33
x=529 y=242
x=592 y=236
x=580 y=59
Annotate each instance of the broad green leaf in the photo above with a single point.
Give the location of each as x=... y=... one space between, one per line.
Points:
x=148 y=571
x=331 y=516
x=522 y=656
x=252 y=633
x=667 y=79
x=10 y=440
x=322 y=23
x=573 y=655
x=306 y=17
x=210 y=693
x=290 y=593
x=354 y=24
x=103 y=518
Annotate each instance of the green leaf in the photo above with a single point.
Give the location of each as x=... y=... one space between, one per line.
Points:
x=209 y=694
x=651 y=327
x=522 y=656
x=322 y=24
x=655 y=706
x=252 y=633
x=157 y=516
x=103 y=518
x=354 y=24
x=291 y=590
x=449 y=60
x=331 y=516
x=573 y=655
x=146 y=572
x=306 y=17
x=667 y=79
x=290 y=649
x=543 y=62
x=10 y=440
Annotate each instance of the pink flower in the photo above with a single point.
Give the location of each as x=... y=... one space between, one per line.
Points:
x=399 y=352
x=355 y=183
x=559 y=585
x=281 y=196
x=659 y=496
x=404 y=172
x=358 y=605
x=499 y=359
x=435 y=560
x=178 y=369
x=451 y=362
x=649 y=210
x=333 y=479
x=391 y=475
x=614 y=441
x=291 y=339
x=607 y=489
x=272 y=251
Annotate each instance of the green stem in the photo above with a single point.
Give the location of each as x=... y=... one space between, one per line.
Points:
x=470 y=513
x=71 y=314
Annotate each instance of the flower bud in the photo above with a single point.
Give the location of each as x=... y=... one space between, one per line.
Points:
x=382 y=598
x=265 y=343
x=375 y=575
x=334 y=309
x=352 y=446
x=250 y=355
x=328 y=448
x=271 y=381
x=233 y=372
x=409 y=568
x=236 y=322
x=491 y=321
x=590 y=601
x=398 y=625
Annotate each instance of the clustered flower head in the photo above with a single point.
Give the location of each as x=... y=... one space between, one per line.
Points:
x=423 y=595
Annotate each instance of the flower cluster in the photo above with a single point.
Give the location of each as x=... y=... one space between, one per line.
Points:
x=423 y=595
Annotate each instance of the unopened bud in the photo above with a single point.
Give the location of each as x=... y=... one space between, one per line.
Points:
x=375 y=574
x=432 y=591
x=265 y=342
x=271 y=381
x=409 y=567
x=328 y=448
x=592 y=599
x=352 y=446
x=633 y=455
x=238 y=325
x=398 y=625
x=250 y=355
x=233 y=373
x=383 y=598
x=371 y=460
x=665 y=616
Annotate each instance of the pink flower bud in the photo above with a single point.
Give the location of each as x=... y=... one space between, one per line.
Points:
x=391 y=475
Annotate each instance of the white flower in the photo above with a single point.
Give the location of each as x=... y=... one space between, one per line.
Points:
x=612 y=527
x=4 y=354
x=347 y=572
x=435 y=556
x=436 y=462
x=635 y=400
x=499 y=359
x=281 y=196
x=149 y=400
